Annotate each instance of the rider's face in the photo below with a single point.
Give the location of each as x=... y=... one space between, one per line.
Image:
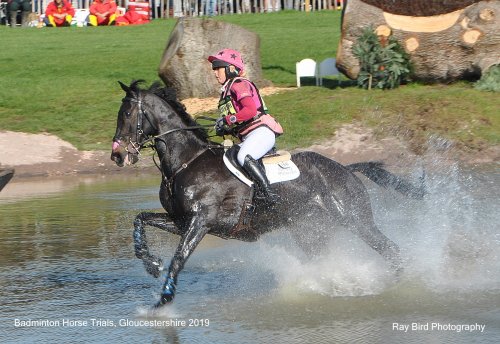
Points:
x=220 y=75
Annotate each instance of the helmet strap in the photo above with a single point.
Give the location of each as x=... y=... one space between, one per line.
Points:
x=231 y=72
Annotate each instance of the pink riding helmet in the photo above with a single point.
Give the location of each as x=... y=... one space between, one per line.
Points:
x=229 y=56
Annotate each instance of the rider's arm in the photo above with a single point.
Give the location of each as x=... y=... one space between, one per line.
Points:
x=242 y=93
x=248 y=111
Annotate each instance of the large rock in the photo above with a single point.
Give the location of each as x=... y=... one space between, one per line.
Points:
x=184 y=65
x=446 y=40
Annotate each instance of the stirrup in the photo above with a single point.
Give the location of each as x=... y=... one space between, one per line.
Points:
x=266 y=197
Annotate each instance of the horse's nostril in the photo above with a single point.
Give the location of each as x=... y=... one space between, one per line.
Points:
x=117 y=159
x=116 y=145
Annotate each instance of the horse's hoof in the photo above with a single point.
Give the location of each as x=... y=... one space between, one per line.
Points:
x=164 y=300
x=398 y=270
x=168 y=293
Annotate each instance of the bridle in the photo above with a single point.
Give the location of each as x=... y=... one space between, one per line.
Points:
x=137 y=145
x=134 y=147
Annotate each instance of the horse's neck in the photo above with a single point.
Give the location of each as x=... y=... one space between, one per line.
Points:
x=176 y=148
x=174 y=151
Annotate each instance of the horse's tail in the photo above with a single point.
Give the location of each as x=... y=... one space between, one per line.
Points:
x=375 y=172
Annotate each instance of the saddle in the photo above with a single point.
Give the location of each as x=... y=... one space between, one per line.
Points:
x=279 y=168
x=278 y=165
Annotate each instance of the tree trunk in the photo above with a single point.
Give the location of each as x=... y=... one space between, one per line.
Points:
x=446 y=40
x=184 y=65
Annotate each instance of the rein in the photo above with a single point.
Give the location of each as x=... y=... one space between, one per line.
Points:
x=170 y=180
x=137 y=145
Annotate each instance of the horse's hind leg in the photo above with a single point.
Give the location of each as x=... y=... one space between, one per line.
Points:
x=382 y=244
x=153 y=264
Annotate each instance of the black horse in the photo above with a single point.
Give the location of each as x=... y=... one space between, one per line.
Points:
x=202 y=197
x=5 y=176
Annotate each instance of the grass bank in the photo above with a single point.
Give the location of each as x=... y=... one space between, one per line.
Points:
x=64 y=82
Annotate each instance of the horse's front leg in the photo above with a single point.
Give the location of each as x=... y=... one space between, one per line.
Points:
x=190 y=239
x=152 y=263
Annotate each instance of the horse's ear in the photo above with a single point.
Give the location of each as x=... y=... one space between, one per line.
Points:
x=124 y=87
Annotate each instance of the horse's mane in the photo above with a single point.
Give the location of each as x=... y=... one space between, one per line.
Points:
x=169 y=95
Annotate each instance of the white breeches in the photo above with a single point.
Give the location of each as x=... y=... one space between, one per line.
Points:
x=257 y=143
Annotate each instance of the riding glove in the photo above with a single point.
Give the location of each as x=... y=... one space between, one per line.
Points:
x=221 y=127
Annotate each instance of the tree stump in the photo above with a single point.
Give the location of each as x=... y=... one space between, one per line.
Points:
x=446 y=40
x=184 y=65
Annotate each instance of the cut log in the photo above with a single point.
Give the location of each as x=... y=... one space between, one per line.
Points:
x=419 y=8
x=184 y=65
x=446 y=40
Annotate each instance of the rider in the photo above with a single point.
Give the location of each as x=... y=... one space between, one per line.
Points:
x=244 y=114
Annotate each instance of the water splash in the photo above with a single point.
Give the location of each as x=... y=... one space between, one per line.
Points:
x=164 y=312
x=450 y=239
x=346 y=268
x=449 y=242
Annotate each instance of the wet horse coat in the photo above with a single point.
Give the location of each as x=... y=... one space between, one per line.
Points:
x=201 y=196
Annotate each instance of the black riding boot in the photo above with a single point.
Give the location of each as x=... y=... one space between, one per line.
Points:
x=258 y=175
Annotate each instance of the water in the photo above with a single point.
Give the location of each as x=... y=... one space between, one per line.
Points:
x=68 y=271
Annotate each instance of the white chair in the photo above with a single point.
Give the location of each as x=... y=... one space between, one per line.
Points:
x=306 y=67
x=327 y=67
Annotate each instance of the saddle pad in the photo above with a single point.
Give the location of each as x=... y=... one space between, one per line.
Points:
x=282 y=171
x=280 y=156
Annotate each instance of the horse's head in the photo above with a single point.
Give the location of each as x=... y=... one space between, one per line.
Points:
x=132 y=127
x=149 y=116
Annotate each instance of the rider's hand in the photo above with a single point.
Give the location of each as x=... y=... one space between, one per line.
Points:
x=221 y=127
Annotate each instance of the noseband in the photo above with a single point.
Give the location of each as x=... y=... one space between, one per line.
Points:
x=133 y=147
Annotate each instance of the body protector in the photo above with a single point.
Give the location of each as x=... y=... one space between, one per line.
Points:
x=228 y=107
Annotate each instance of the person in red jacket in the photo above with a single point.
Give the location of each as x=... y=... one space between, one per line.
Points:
x=102 y=12
x=59 y=13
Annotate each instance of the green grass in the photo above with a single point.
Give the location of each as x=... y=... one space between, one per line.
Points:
x=288 y=37
x=414 y=112
x=64 y=81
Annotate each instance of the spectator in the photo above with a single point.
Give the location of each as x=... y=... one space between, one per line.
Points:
x=271 y=5
x=19 y=5
x=102 y=12
x=132 y=17
x=208 y=7
x=59 y=13
x=245 y=6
